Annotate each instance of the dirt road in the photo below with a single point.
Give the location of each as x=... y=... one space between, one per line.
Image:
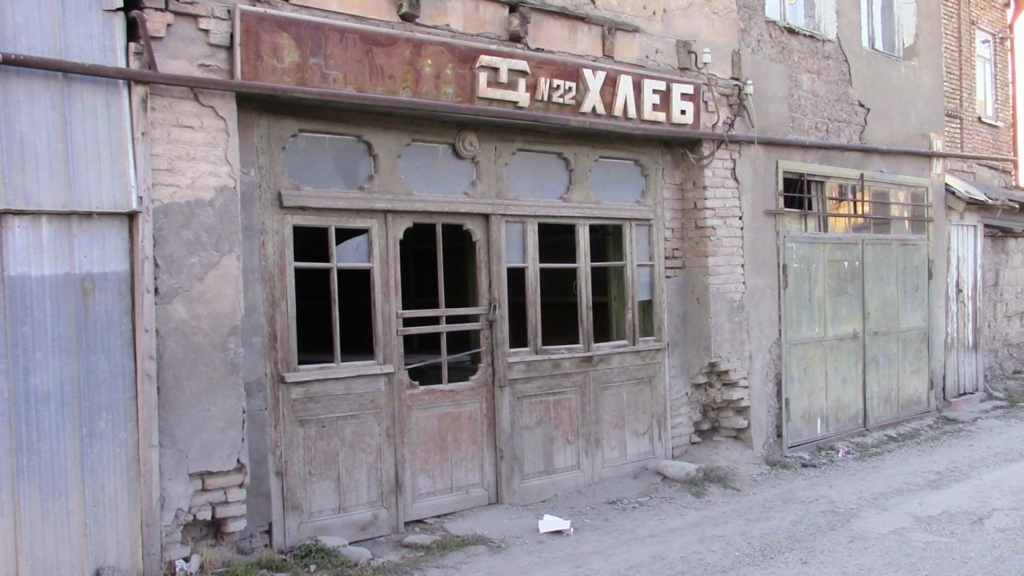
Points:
x=949 y=501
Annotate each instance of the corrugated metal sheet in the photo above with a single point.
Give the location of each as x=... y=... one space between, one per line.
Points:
x=70 y=462
x=65 y=141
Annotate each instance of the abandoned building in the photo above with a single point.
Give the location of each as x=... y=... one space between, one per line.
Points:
x=275 y=269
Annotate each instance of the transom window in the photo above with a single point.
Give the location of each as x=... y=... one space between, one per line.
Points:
x=578 y=285
x=332 y=294
x=813 y=203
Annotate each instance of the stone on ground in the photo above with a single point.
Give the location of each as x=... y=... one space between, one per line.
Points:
x=420 y=541
x=332 y=542
x=677 y=471
x=356 y=554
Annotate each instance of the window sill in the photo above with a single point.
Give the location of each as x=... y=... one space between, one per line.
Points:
x=896 y=57
x=335 y=373
x=798 y=30
x=991 y=122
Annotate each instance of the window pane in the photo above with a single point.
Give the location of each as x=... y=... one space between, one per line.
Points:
x=773 y=9
x=559 y=308
x=643 y=243
x=539 y=175
x=887 y=26
x=556 y=243
x=881 y=210
x=608 y=289
x=355 y=315
x=645 y=301
x=435 y=169
x=314 y=319
x=606 y=243
x=351 y=246
x=328 y=162
x=900 y=211
x=515 y=243
x=460 y=290
x=423 y=359
x=418 y=254
x=311 y=245
x=918 y=227
x=517 y=320
x=463 y=355
x=619 y=181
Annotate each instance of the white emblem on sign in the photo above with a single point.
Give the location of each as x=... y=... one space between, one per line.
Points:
x=517 y=94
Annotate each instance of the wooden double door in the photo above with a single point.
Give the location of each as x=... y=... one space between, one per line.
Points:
x=371 y=443
x=439 y=417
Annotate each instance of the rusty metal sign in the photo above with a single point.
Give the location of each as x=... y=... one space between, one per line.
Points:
x=285 y=49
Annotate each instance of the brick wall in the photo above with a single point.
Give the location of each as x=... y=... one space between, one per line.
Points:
x=964 y=131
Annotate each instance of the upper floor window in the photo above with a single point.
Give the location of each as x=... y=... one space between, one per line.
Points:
x=882 y=26
x=816 y=16
x=985 y=75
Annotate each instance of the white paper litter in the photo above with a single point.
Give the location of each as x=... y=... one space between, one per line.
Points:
x=551 y=523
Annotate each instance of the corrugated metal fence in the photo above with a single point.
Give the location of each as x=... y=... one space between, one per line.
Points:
x=69 y=464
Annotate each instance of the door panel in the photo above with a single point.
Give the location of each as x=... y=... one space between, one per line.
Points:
x=445 y=381
x=896 y=304
x=338 y=420
x=823 y=374
x=963 y=365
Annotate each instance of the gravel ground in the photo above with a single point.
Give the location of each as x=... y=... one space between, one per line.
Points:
x=937 y=496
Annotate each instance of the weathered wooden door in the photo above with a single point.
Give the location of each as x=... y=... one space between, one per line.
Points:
x=440 y=296
x=896 y=319
x=963 y=366
x=336 y=395
x=591 y=404
x=823 y=334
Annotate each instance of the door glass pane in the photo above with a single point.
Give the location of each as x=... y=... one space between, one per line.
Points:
x=515 y=243
x=608 y=290
x=314 y=319
x=539 y=175
x=355 y=305
x=606 y=243
x=351 y=246
x=310 y=244
x=460 y=290
x=463 y=355
x=643 y=243
x=418 y=252
x=900 y=210
x=328 y=162
x=556 y=243
x=559 y=309
x=619 y=181
x=919 y=227
x=517 y=321
x=645 y=301
x=881 y=211
x=423 y=359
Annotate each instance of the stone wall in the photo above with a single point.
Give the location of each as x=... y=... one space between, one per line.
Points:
x=1003 y=308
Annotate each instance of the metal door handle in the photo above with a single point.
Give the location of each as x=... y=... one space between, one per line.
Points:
x=492 y=316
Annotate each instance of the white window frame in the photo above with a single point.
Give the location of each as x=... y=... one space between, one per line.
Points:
x=824 y=19
x=985 y=76
x=871 y=27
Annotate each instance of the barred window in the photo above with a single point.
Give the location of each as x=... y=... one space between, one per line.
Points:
x=812 y=203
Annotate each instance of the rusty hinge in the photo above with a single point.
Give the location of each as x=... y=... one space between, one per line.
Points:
x=788 y=418
x=785 y=276
x=931 y=265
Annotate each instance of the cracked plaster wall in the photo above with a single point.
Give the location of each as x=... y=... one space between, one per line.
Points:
x=199 y=306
